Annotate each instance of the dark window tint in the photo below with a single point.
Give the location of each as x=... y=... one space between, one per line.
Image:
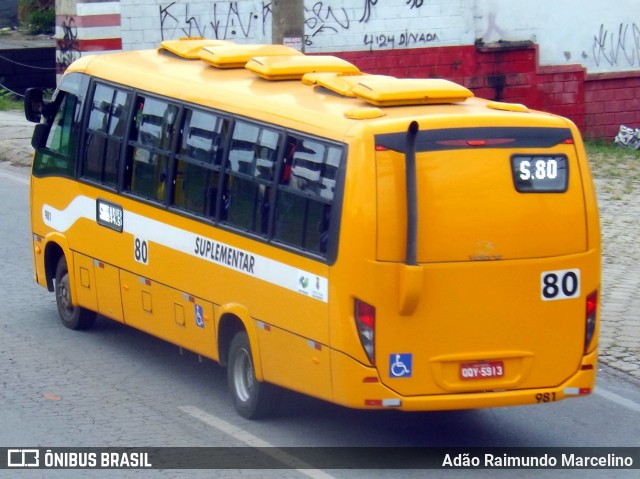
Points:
x=153 y=136
x=107 y=127
x=197 y=173
x=305 y=194
x=251 y=165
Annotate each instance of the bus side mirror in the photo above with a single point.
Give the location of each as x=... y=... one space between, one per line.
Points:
x=34 y=104
x=40 y=134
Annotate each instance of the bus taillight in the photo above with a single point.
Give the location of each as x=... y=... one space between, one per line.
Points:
x=366 y=323
x=590 y=323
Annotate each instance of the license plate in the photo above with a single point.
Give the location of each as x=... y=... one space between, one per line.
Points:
x=483 y=370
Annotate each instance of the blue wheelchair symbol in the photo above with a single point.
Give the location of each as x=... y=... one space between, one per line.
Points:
x=400 y=365
x=199 y=316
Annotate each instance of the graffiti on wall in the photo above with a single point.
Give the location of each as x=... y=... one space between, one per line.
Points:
x=226 y=20
x=67 y=50
x=617 y=48
x=323 y=19
x=250 y=20
x=404 y=40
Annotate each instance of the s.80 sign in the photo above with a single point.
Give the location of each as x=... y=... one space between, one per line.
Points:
x=539 y=173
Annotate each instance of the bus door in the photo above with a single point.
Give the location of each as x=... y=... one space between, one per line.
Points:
x=501 y=243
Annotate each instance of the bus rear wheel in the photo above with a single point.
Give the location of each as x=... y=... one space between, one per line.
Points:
x=252 y=399
x=73 y=317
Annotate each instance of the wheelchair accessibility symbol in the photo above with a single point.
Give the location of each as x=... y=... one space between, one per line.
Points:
x=400 y=365
x=199 y=316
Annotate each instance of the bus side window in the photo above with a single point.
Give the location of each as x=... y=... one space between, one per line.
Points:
x=153 y=138
x=58 y=157
x=250 y=174
x=197 y=172
x=305 y=195
x=107 y=126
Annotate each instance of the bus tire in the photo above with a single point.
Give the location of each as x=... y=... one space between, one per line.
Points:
x=251 y=398
x=73 y=317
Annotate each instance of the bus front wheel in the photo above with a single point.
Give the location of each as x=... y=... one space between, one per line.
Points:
x=73 y=317
x=252 y=399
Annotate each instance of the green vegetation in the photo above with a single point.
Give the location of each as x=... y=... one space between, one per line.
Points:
x=611 y=161
x=37 y=16
x=619 y=166
x=8 y=101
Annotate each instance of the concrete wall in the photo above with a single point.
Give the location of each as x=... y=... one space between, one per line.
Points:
x=86 y=27
x=600 y=36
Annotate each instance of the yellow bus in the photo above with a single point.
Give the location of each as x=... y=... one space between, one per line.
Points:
x=375 y=242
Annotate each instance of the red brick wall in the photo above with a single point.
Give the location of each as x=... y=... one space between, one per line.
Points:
x=612 y=100
x=597 y=103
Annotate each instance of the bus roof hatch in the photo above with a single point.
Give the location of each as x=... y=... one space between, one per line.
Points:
x=409 y=91
x=340 y=83
x=295 y=67
x=190 y=47
x=237 y=56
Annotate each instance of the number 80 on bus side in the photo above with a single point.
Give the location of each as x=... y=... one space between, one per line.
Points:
x=141 y=250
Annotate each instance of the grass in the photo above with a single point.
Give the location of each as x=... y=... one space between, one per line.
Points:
x=8 y=101
x=610 y=161
x=618 y=165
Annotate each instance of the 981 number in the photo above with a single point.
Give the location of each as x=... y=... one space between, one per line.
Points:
x=562 y=284
x=545 y=397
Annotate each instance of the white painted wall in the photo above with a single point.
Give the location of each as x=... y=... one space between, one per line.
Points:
x=600 y=36
x=145 y=23
x=331 y=25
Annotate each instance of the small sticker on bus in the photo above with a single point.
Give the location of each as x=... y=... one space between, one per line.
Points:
x=311 y=285
x=199 y=316
x=401 y=365
x=561 y=284
x=109 y=214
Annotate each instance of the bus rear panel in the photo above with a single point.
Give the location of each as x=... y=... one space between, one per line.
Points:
x=499 y=305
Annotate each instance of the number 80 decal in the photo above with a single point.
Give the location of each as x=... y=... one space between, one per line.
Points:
x=561 y=284
x=141 y=250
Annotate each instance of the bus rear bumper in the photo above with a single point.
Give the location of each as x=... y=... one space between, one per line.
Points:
x=370 y=393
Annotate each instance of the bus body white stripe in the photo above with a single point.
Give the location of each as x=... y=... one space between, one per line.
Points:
x=62 y=220
x=187 y=242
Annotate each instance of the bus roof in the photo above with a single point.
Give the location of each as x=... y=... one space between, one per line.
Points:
x=326 y=102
